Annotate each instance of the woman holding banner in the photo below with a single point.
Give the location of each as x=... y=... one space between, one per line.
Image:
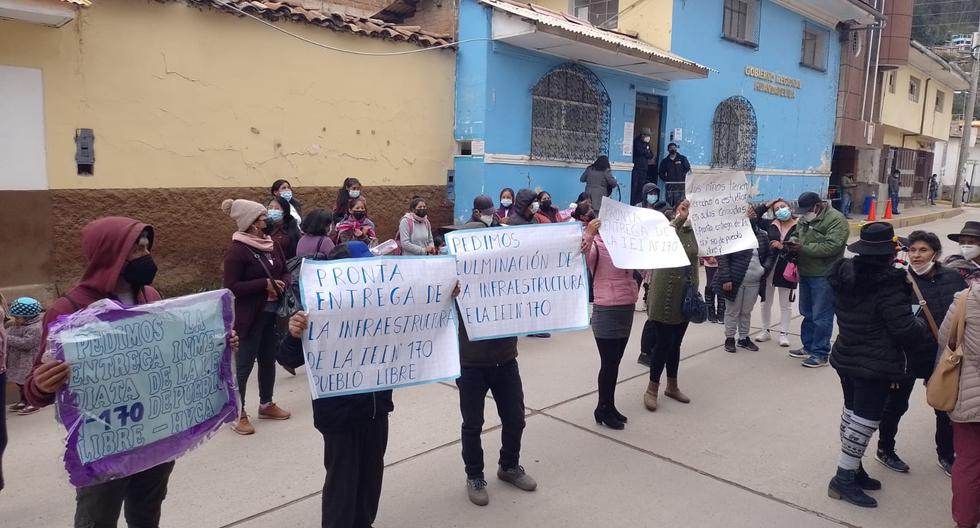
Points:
x=667 y=287
x=616 y=291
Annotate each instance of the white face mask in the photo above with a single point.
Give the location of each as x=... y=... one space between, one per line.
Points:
x=969 y=251
x=646 y=139
x=535 y=207
x=924 y=269
x=809 y=217
x=356 y=193
x=486 y=219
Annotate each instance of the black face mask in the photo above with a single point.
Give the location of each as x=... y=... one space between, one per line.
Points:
x=140 y=272
x=360 y=215
x=421 y=213
x=546 y=204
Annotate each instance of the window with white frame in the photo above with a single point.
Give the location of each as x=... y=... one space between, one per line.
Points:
x=740 y=22
x=814 y=54
x=570 y=114
x=940 y=101
x=915 y=85
x=602 y=13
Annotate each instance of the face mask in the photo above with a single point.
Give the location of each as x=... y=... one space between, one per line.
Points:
x=140 y=272
x=444 y=250
x=506 y=202
x=356 y=193
x=535 y=207
x=969 y=251
x=783 y=214
x=546 y=204
x=286 y=195
x=421 y=213
x=646 y=140
x=486 y=219
x=809 y=217
x=922 y=270
x=273 y=215
x=652 y=198
x=360 y=215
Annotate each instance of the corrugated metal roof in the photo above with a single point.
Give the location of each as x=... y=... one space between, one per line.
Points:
x=84 y=3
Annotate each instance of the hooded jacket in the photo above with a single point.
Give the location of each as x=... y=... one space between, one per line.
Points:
x=876 y=328
x=107 y=244
x=521 y=202
x=732 y=267
x=659 y=206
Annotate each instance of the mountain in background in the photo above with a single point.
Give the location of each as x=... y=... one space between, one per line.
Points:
x=935 y=21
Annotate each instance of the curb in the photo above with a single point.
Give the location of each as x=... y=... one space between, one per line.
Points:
x=906 y=221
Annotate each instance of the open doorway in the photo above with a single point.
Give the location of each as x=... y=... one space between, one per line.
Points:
x=649 y=109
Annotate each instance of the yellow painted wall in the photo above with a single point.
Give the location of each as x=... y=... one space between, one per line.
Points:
x=651 y=20
x=184 y=97
x=906 y=116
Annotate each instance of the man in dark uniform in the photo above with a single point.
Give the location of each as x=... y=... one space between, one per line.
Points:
x=642 y=158
x=673 y=171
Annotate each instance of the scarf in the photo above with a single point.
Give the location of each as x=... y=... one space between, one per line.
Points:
x=349 y=223
x=262 y=243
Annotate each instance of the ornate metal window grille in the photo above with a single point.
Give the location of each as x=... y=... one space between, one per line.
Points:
x=569 y=116
x=735 y=132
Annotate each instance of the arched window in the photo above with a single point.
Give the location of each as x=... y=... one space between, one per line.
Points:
x=569 y=116
x=734 y=132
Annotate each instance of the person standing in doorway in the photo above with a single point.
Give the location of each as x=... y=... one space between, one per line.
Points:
x=847 y=194
x=822 y=237
x=894 y=184
x=933 y=189
x=673 y=171
x=643 y=157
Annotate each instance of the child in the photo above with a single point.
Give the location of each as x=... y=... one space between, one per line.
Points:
x=715 y=314
x=23 y=342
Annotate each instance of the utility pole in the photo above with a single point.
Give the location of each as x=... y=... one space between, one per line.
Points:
x=971 y=104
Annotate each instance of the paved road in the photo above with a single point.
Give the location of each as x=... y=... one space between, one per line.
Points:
x=754 y=449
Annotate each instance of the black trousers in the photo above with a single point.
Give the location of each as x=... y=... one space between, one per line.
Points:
x=666 y=350
x=865 y=397
x=610 y=356
x=895 y=407
x=259 y=345
x=142 y=495
x=710 y=298
x=648 y=338
x=504 y=382
x=355 y=464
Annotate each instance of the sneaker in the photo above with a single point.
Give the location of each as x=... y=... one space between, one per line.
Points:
x=518 y=477
x=783 y=340
x=815 y=362
x=243 y=426
x=271 y=411
x=476 y=490
x=799 y=353
x=28 y=409
x=763 y=336
x=730 y=345
x=891 y=461
x=16 y=407
x=946 y=466
x=747 y=344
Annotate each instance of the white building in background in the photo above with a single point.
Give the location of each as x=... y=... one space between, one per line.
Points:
x=947 y=155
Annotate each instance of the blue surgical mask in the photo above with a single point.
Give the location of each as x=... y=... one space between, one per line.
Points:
x=783 y=214
x=652 y=198
x=356 y=193
x=286 y=195
x=274 y=215
x=506 y=202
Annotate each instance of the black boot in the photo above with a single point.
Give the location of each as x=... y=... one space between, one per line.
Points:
x=604 y=416
x=712 y=316
x=615 y=412
x=865 y=481
x=844 y=486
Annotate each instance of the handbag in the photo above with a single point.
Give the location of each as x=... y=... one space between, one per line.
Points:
x=694 y=308
x=925 y=306
x=943 y=387
x=791 y=273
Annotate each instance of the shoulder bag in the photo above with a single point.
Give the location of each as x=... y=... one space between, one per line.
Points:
x=925 y=306
x=694 y=308
x=943 y=387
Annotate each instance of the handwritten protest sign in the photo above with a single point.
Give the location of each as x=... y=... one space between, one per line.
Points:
x=639 y=238
x=147 y=383
x=521 y=280
x=718 y=205
x=379 y=323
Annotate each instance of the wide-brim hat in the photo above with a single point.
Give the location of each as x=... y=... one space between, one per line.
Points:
x=971 y=229
x=877 y=238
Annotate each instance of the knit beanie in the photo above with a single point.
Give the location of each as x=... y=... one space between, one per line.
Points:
x=26 y=307
x=243 y=212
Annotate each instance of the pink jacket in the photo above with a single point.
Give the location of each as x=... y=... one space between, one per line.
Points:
x=611 y=286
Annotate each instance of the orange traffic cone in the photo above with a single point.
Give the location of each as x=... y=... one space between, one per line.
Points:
x=888 y=210
x=873 y=211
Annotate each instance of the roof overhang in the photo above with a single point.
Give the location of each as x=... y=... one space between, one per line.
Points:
x=924 y=60
x=833 y=12
x=581 y=42
x=54 y=13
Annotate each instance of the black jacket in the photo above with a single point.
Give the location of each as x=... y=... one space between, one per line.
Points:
x=674 y=170
x=642 y=153
x=732 y=268
x=779 y=258
x=872 y=302
x=522 y=200
x=938 y=289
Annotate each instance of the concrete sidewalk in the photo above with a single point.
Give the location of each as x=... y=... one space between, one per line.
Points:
x=911 y=216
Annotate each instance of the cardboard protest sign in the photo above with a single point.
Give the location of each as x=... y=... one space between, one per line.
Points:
x=639 y=238
x=147 y=384
x=379 y=323
x=521 y=280
x=719 y=201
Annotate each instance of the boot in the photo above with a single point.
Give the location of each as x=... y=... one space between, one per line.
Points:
x=604 y=415
x=712 y=315
x=650 y=396
x=865 y=481
x=674 y=392
x=844 y=487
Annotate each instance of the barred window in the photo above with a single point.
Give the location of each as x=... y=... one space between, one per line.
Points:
x=740 y=22
x=569 y=116
x=735 y=131
x=601 y=13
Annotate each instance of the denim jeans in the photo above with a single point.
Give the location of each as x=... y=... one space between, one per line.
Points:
x=845 y=203
x=504 y=383
x=817 y=308
x=894 y=197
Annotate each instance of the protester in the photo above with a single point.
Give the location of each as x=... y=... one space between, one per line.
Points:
x=282 y=227
x=616 y=291
x=483 y=212
x=894 y=184
x=355 y=433
x=740 y=279
x=938 y=285
x=966 y=416
x=415 y=231
x=525 y=208
x=933 y=189
x=350 y=190
x=599 y=180
x=821 y=237
x=643 y=158
x=781 y=230
x=876 y=328
x=491 y=365
x=506 y=204
x=282 y=189
x=547 y=213
x=119 y=267
x=23 y=342
x=356 y=225
x=315 y=239
x=255 y=271
x=664 y=308
x=673 y=171
x=967 y=263
x=651 y=200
